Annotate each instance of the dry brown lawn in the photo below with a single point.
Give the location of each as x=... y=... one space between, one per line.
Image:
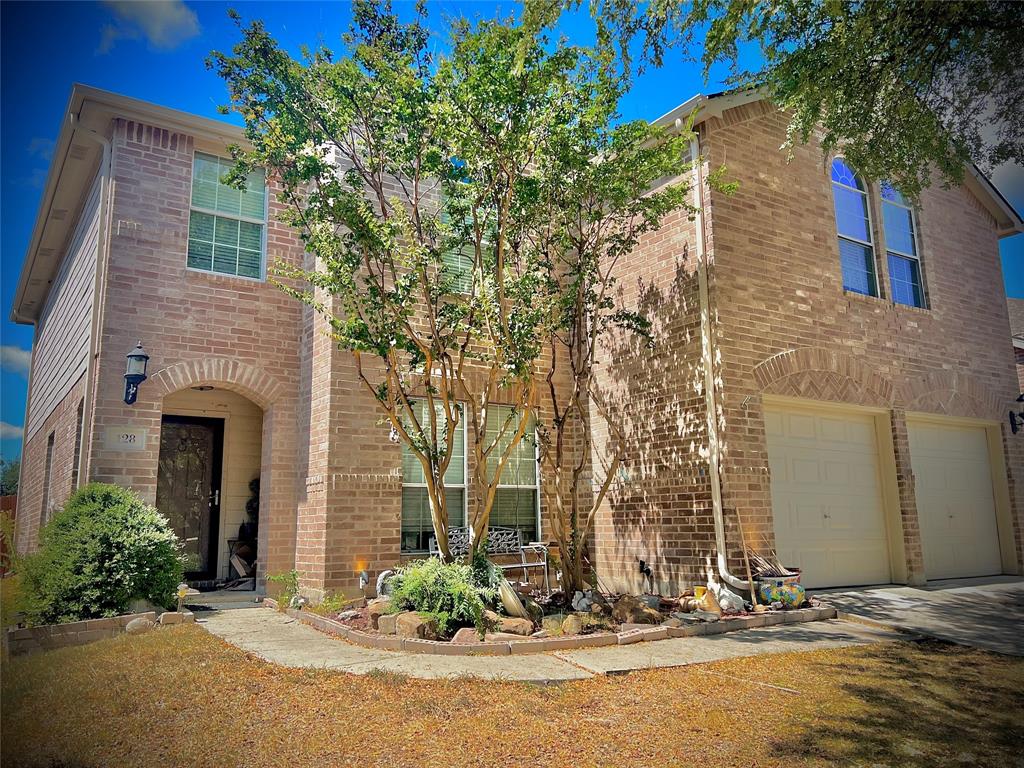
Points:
x=180 y=697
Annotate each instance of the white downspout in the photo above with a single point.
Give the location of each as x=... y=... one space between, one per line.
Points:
x=708 y=359
x=97 y=298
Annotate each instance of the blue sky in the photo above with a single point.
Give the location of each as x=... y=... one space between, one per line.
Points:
x=155 y=51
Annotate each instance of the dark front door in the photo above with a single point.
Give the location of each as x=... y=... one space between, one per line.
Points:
x=188 y=487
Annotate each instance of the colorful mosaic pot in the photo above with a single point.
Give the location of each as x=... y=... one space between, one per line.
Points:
x=782 y=590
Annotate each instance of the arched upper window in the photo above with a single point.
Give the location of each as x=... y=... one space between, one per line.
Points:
x=853 y=223
x=901 y=248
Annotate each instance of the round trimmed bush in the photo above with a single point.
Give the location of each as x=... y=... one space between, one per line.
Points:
x=106 y=548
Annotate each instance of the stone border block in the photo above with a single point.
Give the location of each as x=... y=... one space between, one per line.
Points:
x=635 y=634
x=52 y=636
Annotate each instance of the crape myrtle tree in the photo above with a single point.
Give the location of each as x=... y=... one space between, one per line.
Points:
x=618 y=181
x=409 y=187
x=903 y=87
x=431 y=188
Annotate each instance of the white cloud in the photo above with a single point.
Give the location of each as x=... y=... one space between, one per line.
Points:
x=164 y=24
x=41 y=148
x=9 y=431
x=15 y=359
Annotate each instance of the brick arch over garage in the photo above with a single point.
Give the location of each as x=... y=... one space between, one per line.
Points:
x=254 y=383
x=951 y=393
x=823 y=374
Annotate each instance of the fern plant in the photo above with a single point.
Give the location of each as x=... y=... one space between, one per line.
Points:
x=449 y=592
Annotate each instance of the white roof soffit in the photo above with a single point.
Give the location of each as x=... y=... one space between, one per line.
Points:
x=76 y=159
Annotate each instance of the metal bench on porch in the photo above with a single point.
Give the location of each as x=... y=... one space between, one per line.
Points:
x=500 y=541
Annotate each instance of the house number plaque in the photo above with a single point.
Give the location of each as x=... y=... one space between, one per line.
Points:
x=126 y=438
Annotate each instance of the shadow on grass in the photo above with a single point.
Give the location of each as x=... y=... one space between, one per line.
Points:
x=929 y=704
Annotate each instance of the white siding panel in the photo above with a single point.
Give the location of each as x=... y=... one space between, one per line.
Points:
x=61 y=353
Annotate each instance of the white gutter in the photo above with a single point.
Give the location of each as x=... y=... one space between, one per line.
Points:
x=708 y=358
x=99 y=281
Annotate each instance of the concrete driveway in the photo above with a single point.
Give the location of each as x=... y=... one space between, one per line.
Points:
x=986 y=613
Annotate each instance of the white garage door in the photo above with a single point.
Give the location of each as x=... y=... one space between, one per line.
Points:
x=827 y=495
x=955 y=505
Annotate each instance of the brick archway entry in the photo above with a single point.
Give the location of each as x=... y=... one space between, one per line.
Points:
x=276 y=545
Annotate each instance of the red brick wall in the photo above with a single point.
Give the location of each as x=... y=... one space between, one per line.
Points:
x=62 y=424
x=786 y=326
x=199 y=328
x=659 y=509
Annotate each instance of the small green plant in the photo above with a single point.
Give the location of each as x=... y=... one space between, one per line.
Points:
x=289 y=587
x=105 y=548
x=448 y=592
x=333 y=603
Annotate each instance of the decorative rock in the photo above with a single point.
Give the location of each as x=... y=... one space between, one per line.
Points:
x=139 y=626
x=170 y=617
x=629 y=609
x=541 y=633
x=345 y=615
x=501 y=636
x=377 y=608
x=411 y=624
x=387 y=623
x=466 y=635
x=672 y=622
x=552 y=624
x=572 y=625
x=521 y=627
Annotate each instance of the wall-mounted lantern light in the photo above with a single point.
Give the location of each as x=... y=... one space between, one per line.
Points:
x=1017 y=419
x=135 y=373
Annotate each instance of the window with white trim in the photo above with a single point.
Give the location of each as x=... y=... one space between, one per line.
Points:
x=457 y=263
x=517 y=500
x=227 y=226
x=853 y=223
x=901 y=248
x=44 y=515
x=417 y=524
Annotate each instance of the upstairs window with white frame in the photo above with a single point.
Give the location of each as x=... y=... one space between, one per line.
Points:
x=901 y=248
x=417 y=524
x=458 y=262
x=517 y=500
x=853 y=223
x=227 y=226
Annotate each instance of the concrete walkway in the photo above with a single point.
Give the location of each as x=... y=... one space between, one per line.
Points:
x=986 y=613
x=282 y=640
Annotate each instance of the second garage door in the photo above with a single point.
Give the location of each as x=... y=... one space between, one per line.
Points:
x=955 y=504
x=827 y=495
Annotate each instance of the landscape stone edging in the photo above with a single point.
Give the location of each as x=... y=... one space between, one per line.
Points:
x=49 y=636
x=541 y=645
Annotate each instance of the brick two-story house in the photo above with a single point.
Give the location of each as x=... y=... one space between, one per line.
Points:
x=831 y=369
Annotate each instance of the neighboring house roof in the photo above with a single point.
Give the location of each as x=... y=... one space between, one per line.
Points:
x=1016 y=309
x=79 y=151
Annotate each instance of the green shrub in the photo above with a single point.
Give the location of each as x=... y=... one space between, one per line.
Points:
x=106 y=548
x=446 y=591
